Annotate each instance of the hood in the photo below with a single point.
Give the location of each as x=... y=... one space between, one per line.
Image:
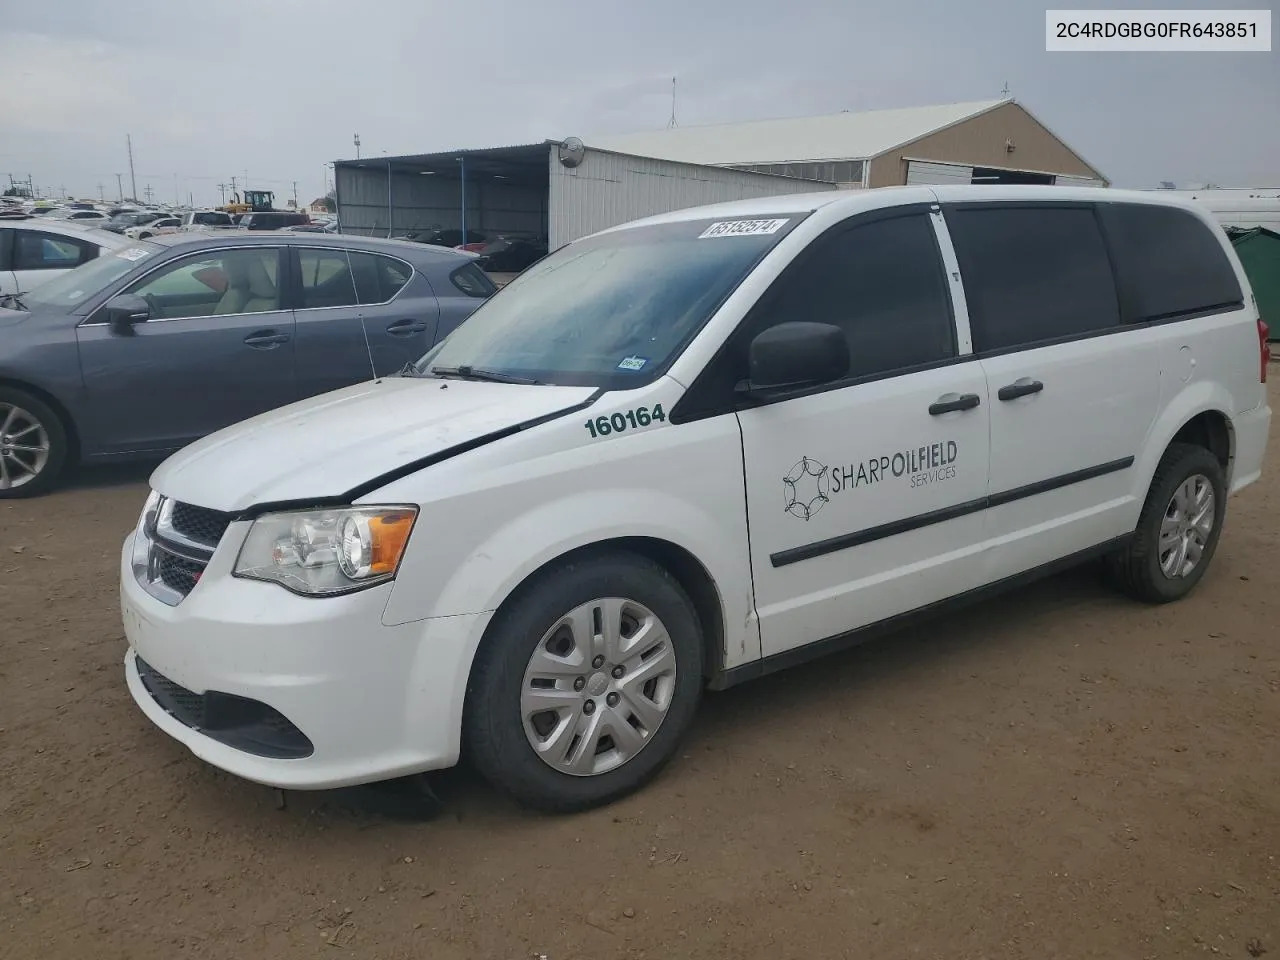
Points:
x=332 y=444
x=11 y=318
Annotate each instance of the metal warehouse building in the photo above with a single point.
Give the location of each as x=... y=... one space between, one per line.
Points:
x=989 y=141
x=557 y=190
x=563 y=190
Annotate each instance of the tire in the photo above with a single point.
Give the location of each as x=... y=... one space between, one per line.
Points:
x=502 y=719
x=24 y=417
x=1139 y=569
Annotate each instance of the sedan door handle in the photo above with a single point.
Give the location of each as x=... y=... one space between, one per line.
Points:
x=406 y=328
x=953 y=401
x=266 y=339
x=1022 y=387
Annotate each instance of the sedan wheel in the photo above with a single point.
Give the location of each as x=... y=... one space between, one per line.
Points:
x=24 y=447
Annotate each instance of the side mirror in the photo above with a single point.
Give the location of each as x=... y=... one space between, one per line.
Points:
x=794 y=355
x=126 y=309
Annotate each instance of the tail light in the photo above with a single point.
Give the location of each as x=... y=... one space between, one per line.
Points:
x=1264 y=348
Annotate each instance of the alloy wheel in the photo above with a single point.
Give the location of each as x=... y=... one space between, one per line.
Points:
x=24 y=446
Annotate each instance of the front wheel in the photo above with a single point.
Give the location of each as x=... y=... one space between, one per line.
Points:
x=585 y=685
x=1178 y=530
x=33 y=445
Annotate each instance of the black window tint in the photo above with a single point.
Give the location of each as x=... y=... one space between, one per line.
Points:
x=326 y=279
x=1170 y=263
x=883 y=284
x=46 y=251
x=473 y=281
x=344 y=278
x=1033 y=274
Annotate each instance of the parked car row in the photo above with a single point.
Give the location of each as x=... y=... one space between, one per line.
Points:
x=158 y=342
x=508 y=253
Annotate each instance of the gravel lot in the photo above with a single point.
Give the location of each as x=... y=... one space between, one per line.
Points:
x=1059 y=773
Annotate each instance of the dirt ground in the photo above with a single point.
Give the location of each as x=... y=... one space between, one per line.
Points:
x=1058 y=773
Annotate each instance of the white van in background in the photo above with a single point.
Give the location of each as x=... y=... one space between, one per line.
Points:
x=1243 y=208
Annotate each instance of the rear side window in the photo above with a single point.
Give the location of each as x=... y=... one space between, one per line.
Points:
x=1170 y=263
x=345 y=278
x=473 y=281
x=881 y=282
x=1033 y=274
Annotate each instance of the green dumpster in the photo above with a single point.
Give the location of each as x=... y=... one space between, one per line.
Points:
x=1259 y=253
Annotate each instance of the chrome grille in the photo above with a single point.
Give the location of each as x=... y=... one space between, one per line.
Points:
x=174 y=544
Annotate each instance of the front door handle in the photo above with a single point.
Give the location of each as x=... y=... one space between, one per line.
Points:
x=1022 y=387
x=406 y=328
x=949 y=402
x=266 y=339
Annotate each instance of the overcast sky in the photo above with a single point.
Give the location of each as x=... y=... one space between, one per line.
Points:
x=276 y=88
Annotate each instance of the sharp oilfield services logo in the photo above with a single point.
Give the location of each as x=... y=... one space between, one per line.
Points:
x=810 y=485
x=807 y=488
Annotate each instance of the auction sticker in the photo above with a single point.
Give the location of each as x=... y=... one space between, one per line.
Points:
x=133 y=253
x=742 y=228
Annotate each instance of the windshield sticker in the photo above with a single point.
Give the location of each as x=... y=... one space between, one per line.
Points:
x=743 y=228
x=632 y=363
x=133 y=253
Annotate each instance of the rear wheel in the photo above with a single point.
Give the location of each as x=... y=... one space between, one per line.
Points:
x=33 y=444
x=586 y=684
x=1178 y=530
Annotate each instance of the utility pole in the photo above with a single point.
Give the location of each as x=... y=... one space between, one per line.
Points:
x=101 y=196
x=357 y=143
x=133 y=180
x=177 y=197
x=147 y=193
x=295 y=194
x=222 y=192
x=119 y=188
x=62 y=190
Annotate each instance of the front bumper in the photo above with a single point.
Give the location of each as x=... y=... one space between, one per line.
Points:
x=371 y=702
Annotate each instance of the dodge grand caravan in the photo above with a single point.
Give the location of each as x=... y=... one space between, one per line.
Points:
x=685 y=452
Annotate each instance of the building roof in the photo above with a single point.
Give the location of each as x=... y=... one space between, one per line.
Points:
x=836 y=136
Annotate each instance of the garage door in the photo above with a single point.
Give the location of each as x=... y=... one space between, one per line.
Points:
x=1061 y=181
x=921 y=172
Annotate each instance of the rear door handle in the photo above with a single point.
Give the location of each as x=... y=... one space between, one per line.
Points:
x=266 y=339
x=949 y=402
x=406 y=328
x=1022 y=387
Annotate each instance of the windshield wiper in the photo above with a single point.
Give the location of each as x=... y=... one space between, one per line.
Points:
x=468 y=372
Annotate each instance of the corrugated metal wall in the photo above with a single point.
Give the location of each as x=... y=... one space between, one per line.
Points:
x=607 y=189
x=421 y=202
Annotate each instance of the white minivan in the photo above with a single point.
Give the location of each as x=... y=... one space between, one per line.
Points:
x=686 y=452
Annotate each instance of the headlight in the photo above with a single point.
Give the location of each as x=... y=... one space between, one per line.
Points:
x=149 y=509
x=326 y=552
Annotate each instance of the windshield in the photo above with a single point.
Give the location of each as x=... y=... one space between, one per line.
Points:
x=610 y=311
x=74 y=287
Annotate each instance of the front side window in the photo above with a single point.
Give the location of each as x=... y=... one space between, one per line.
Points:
x=1033 y=274
x=1170 y=262
x=346 y=278
x=614 y=310
x=45 y=251
x=212 y=284
x=881 y=282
